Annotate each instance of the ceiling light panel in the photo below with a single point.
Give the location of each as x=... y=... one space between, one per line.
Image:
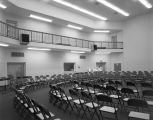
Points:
x=40 y=18
x=34 y=48
x=4 y=45
x=146 y=3
x=74 y=27
x=101 y=31
x=113 y=7
x=77 y=52
x=80 y=9
x=3 y=6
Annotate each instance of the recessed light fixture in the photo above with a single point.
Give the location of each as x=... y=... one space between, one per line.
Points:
x=145 y=3
x=80 y=9
x=40 y=18
x=34 y=48
x=115 y=8
x=102 y=53
x=74 y=27
x=77 y=52
x=4 y=45
x=101 y=31
x=3 y=6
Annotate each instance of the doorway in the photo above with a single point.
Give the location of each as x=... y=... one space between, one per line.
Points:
x=117 y=67
x=114 y=41
x=101 y=66
x=16 y=69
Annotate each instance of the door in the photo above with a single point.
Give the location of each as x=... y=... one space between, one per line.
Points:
x=117 y=67
x=16 y=69
x=114 y=41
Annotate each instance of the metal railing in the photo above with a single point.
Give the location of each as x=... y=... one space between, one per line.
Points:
x=48 y=38
x=108 y=45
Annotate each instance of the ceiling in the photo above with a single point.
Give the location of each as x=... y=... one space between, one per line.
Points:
x=134 y=7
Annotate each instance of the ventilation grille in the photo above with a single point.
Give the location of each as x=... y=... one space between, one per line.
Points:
x=82 y=57
x=17 y=54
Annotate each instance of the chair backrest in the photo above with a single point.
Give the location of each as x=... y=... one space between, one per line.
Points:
x=111 y=88
x=73 y=93
x=127 y=91
x=96 y=86
x=86 y=96
x=147 y=85
x=137 y=103
x=130 y=84
x=104 y=98
x=118 y=83
x=89 y=85
x=147 y=93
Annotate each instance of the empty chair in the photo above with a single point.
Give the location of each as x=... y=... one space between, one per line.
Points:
x=146 y=85
x=133 y=86
x=77 y=102
x=107 y=107
x=148 y=96
x=137 y=104
x=90 y=105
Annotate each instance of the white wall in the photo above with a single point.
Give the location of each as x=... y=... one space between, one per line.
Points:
x=137 y=39
x=43 y=63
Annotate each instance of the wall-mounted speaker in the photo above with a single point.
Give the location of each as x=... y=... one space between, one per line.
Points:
x=95 y=47
x=24 y=39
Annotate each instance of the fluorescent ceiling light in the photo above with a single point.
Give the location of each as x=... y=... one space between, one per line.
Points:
x=74 y=27
x=145 y=3
x=4 y=45
x=102 y=53
x=2 y=6
x=80 y=9
x=33 y=48
x=40 y=18
x=102 y=31
x=77 y=52
x=115 y=8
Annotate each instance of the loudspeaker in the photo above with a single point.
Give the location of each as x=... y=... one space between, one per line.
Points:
x=95 y=47
x=24 y=39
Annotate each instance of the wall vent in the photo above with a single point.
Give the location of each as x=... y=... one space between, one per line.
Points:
x=17 y=54
x=82 y=57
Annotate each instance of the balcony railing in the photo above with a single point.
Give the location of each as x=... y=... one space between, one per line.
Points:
x=108 y=45
x=48 y=38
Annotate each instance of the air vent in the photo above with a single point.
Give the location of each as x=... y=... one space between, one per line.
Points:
x=17 y=54
x=82 y=57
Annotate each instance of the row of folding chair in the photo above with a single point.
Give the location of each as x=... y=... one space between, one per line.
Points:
x=82 y=102
x=29 y=109
x=77 y=98
x=32 y=86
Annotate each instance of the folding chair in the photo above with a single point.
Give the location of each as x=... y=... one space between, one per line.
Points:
x=107 y=106
x=133 y=86
x=146 y=86
x=90 y=105
x=127 y=94
x=90 y=88
x=77 y=102
x=148 y=96
x=114 y=94
x=137 y=104
x=65 y=99
x=118 y=85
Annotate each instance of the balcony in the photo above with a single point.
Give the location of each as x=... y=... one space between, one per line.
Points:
x=48 y=38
